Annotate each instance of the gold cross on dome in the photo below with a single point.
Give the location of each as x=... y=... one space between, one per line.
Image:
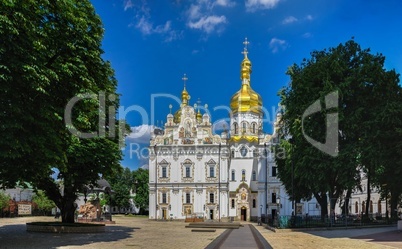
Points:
x=184 y=79
x=245 y=52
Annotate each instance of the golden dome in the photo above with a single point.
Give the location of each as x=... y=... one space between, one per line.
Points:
x=199 y=116
x=177 y=116
x=246 y=99
x=185 y=97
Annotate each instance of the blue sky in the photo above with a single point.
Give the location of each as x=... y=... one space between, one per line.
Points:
x=151 y=44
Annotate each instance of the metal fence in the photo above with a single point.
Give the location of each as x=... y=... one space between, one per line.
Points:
x=309 y=221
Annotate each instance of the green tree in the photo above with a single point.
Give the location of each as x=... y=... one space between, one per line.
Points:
x=358 y=77
x=50 y=52
x=141 y=198
x=42 y=201
x=121 y=183
x=4 y=201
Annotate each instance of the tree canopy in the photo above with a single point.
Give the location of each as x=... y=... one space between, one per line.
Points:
x=336 y=94
x=58 y=99
x=42 y=201
x=141 y=198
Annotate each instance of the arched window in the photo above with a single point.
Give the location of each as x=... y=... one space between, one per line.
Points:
x=243 y=175
x=356 y=207
x=254 y=176
x=236 y=128
x=233 y=175
x=233 y=203
x=244 y=127
x=254 y=130
x=254 y=203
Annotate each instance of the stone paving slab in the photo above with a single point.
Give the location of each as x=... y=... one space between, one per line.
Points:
x=129 y=232
x=331 y=239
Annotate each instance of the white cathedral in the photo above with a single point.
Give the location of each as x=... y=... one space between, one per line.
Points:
x=232 y=176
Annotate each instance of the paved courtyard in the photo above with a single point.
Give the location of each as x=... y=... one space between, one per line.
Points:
x=137 y=232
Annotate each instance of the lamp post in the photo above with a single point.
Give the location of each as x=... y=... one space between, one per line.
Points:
x=291 y=140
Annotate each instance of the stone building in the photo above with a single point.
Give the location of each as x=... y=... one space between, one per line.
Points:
x=194 y=172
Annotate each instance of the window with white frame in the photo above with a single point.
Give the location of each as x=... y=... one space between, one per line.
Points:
x=210 y=168
x=244 y=129
x=254 y=176
x=188 y=198
x=211 y=171
x=164 y=169
x=243 y=175
x=211 y=198
x=188 y=170
x=233 y=175
x=164 y=199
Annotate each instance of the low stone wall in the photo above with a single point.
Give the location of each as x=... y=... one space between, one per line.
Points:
x=32 y=227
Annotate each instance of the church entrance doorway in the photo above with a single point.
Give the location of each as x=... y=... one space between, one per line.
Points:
x=211 y=214
x=164 y=214
x=243 y=214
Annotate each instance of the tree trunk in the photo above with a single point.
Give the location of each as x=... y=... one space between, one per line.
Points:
x=394 y=204
x=68 y=209
x=345 y=206
x=322 y=200
x=366 y=215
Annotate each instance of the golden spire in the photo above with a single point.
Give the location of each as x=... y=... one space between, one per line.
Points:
x=245 y=67
x=199 y=115
x=185 y=97
x=246 y=99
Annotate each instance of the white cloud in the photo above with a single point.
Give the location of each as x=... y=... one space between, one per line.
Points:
x=224 y=3
x=128 y=4
x=144 y=26
x=275 y=44
x=145 y=166
x=309 y=17
x=307 y=35
x=147 y=28
x=253 y=5
x=202 y=15
x=140 y=134
x=194 y=12
x=289 y=19
x=208 y=24
x=220 y=125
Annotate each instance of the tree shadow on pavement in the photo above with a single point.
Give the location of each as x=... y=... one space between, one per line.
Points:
x=392 y=236
x=350 y=232
x=16 y=236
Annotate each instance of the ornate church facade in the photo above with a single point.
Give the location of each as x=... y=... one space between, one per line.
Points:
x=196 y=173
